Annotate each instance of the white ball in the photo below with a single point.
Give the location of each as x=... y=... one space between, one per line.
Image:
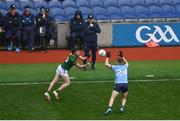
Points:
x=102 y=52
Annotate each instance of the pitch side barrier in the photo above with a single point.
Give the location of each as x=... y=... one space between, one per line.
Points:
x=129 y=34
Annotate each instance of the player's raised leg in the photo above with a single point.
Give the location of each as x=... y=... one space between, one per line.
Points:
x=54 y=81
x=111 y=101
x=63 y=86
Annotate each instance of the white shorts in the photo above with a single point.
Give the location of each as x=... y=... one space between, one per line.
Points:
x=61 y=71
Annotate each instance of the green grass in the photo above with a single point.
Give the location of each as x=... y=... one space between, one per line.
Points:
x=146 y=100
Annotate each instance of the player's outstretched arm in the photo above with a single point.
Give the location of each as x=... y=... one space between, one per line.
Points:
x=81 y=65
x=122 y=55
x=108 y=55
x=84 y=58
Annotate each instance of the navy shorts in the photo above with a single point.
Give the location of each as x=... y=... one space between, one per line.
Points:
x=121 y=87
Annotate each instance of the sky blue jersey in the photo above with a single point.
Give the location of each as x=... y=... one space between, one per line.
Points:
x=121 y=75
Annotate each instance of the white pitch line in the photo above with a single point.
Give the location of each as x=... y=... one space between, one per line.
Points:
x=84 y=82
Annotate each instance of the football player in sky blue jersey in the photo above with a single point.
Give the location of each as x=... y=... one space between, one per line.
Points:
x=121 y=80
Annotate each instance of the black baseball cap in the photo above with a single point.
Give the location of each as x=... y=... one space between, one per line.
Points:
x=90 y=16
x=13 y=6
x=27 y=8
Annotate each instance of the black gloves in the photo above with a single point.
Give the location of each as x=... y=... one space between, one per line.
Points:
x=108 y=54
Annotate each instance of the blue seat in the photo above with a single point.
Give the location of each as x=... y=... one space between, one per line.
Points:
x=60 y=18
x=155 y=11
x=138 y=2
x=3 y=5
x=168 y=11
x=101 y=17
x=124 y=3
x=178 y=10
x=141 y=11
x=39 y=3
x=3 y=11
x=69 y=12
x=108 y=3
x=69 y=3
x=99 y=10
x=55 y=4
x=33 y=12
x=127 y=12
x=10 y=2
x=23 y=3
x=19 y=11
x=82 y=3
x=165 y=2
x=85 y=11
x=113 y=12
x=176 y=2
x=56 y=11
x=151 y=2
x=94 y=3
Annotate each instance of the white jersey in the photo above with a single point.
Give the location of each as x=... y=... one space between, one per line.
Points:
x=121 y=75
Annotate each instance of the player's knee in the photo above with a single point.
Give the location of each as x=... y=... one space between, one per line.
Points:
x=68 y=83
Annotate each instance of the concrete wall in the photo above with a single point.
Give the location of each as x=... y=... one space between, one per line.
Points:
x=104 y=38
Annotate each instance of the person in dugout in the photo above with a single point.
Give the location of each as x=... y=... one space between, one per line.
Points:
x=76 y=27
x=91 y=28
x=2 y=32
x=28 y=28
x=13 y=27
x=44 y=20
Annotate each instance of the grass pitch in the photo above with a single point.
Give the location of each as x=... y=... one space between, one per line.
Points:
x=146 y=100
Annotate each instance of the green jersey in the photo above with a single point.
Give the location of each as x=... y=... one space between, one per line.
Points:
x=68 y=64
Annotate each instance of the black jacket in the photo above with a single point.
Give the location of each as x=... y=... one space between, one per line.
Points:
x=90 y=33
x=44 y=22
x=12 y=23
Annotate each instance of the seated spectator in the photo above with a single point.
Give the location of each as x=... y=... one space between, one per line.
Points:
x=28 y=28
x=76 y=27
x=2 y=31
x=13 y=27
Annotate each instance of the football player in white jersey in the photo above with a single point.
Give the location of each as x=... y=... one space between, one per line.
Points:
x=121 y=80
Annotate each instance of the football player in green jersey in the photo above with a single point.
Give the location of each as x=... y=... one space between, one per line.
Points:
x=62 y=72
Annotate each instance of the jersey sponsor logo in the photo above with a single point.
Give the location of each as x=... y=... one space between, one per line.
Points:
x=152 y=36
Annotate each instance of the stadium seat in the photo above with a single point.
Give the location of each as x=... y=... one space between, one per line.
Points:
x=60 y=18
x=3 y=5
x=85 y=11
x=155 y=11
x=19 y=11
x=10 y=2
x=113 y=12
x=108 y=3
x=124 y=3
x=56 y=11
x=69 y=3
x=178 y=10
x=3 y=11
x=99 y=10
x=151 y=2
x=102 y=17
x=141 y=11
x=38 y=4
x=165 y=2
x=138 y=2
x=23 y=3
x=127 y=12
x=168 y=11
x=69 y=12
x=34 y=12
x=54 y=3
x=94 y=3
x=82 y=3
x=176 y=2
